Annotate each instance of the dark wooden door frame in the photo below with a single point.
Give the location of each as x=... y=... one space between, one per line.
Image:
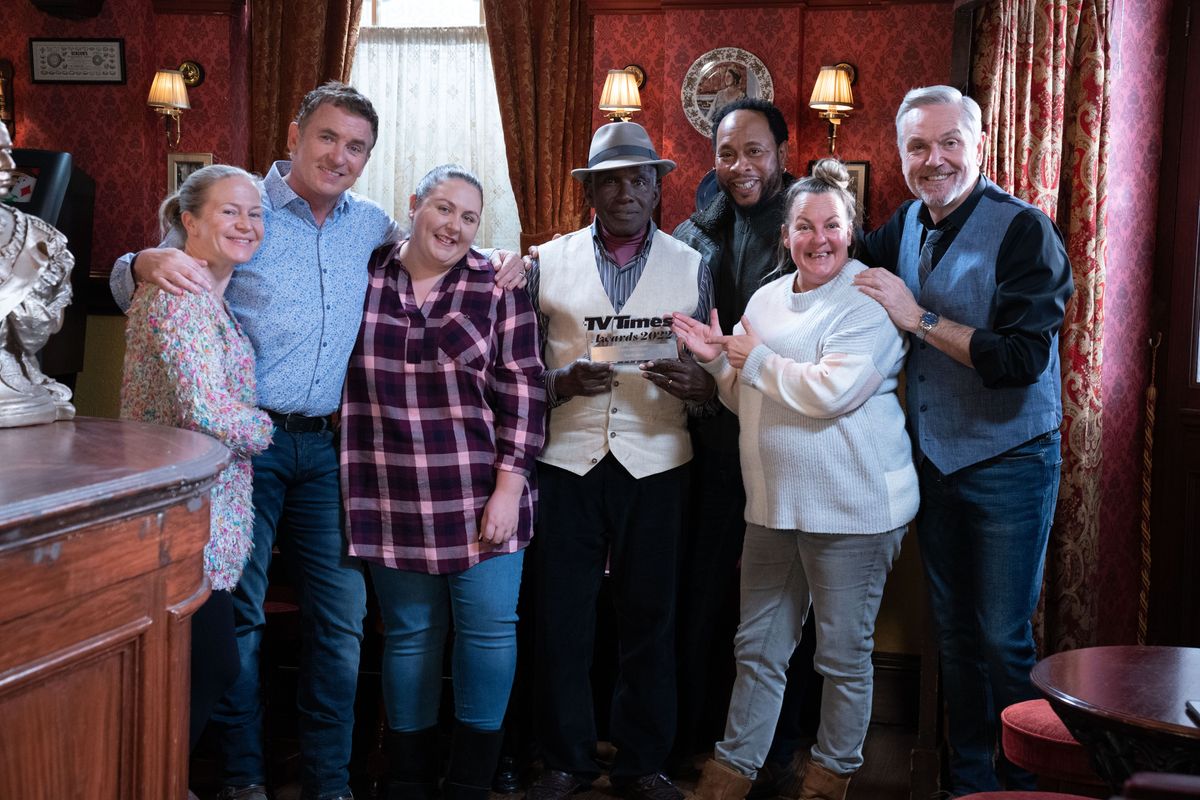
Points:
x=1175 y=520
x=962 y=49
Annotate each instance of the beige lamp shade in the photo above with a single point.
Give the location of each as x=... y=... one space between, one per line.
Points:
x=832 y=91
x=168 y=90
x=620 y=93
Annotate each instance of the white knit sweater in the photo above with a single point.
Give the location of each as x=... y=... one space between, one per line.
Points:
x=823 y=445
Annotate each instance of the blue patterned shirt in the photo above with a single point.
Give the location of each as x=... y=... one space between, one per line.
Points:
x=300 y=299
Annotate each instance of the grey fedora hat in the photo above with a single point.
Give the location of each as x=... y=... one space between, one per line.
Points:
x=621 y=144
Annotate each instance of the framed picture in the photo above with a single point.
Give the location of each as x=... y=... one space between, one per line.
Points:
x=77 y=60
x=181 y=165
x=719 y=77
x=860 y=174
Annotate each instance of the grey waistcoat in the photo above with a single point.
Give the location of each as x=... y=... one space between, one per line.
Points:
x=955 y=420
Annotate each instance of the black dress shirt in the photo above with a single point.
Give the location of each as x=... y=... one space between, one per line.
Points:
x=1033 y=284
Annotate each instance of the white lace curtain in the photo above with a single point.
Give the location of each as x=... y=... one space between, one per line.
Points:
x=436 y=97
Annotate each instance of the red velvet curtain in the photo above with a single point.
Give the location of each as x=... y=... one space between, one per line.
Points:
x=1041 y=76
x=296 y=45
x=542 y=57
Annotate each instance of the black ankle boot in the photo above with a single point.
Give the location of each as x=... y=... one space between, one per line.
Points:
x=507 y=779
x=412 y=765
x=473 y=757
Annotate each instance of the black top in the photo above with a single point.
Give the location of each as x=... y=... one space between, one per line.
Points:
x=1033 y=283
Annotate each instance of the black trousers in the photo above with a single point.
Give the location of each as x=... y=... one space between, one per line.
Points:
x=215 y=663
x=632 y=524
x=707 y=612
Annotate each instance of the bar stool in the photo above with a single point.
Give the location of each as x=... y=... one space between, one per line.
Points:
x=1035 y=739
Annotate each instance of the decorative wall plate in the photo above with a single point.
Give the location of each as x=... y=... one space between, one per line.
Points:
x=721 y=76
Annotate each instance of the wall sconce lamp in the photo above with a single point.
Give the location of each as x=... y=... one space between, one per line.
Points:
x=833 y=97
x=620 y=97
x=168 y=96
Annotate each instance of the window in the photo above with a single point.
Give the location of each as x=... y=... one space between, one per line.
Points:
x=432 y=83
x=422 y=13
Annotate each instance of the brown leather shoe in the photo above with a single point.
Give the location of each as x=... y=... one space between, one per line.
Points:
x=555 y=784
x=720 y=782
x=820 y=783
x=655 y=786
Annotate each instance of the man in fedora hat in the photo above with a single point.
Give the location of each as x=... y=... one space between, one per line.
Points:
x=613 y=476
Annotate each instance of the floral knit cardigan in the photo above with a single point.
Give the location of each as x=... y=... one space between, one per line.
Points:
x=188 y=365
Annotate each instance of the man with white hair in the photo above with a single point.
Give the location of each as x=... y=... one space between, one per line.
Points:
x=981 y=281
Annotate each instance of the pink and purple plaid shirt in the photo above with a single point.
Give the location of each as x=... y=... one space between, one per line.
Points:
x=437 y=399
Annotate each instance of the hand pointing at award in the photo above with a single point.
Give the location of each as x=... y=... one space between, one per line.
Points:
x=707 y=342
x=738 y=346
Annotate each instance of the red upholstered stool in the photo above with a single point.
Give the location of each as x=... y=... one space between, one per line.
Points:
x=1035 y=739
x=1022 y=796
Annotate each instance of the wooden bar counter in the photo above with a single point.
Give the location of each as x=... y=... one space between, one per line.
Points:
x=102 y=530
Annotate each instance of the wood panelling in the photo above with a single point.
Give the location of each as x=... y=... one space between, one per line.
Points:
x=71 y=9
x=83 y=710
x=102 y=531
x=198 y=6
x=657 y=6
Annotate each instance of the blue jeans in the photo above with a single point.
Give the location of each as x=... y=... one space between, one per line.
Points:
x=784 y=573
x=983 y=533
x=297 y=501
x=416 y=610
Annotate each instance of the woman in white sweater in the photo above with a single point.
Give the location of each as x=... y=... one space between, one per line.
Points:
x=830 y=486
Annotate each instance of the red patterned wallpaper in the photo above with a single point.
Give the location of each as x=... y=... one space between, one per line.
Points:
x=619 y=40
x=792 y=44
x=666 y=45
x=109 y=130
x=894 y=48
x=1138 y=60
x=771 y=34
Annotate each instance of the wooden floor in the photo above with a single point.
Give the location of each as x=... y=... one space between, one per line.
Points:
x=884 y=775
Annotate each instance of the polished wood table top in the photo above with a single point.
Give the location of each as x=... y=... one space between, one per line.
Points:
x=1127 y=706
x=1135 y=686
x=63 y=474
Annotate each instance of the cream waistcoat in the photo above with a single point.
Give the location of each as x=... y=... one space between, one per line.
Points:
x=644 y=427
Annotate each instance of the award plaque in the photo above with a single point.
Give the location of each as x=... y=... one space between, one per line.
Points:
x=634 y=347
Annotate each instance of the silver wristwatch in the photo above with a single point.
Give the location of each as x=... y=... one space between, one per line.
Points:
x=928 y=322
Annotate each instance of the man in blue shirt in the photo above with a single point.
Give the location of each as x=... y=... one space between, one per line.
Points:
x=300 y=301
x=982 y=283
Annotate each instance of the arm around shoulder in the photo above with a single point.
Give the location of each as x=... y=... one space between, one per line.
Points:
x=516 y=380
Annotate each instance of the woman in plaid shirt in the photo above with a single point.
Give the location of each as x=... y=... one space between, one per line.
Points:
x=442 y=420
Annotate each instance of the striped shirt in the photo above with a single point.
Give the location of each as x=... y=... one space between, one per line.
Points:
x=438 y=398
x=619 y=283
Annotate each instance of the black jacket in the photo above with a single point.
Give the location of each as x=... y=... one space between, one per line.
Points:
x=741 y=251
